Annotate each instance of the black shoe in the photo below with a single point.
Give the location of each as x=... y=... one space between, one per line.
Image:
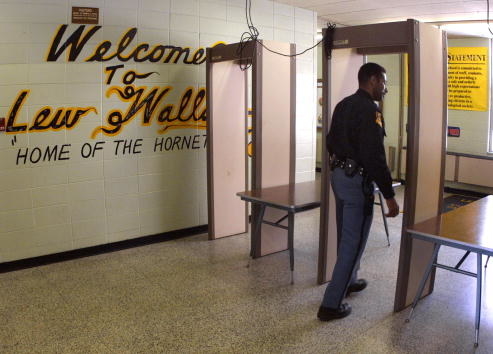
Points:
x=328 y=314
x=357 y=286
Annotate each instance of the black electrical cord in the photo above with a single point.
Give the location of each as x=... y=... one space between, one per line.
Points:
x=252 y=35
x=488 y=15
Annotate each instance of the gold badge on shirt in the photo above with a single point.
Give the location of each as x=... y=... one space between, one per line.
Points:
x=378 y=119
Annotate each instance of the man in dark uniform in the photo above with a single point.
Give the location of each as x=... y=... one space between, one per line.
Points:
x=357 y=159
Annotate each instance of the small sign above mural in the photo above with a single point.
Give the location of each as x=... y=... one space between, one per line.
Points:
x=468 y=78
x=85 y=15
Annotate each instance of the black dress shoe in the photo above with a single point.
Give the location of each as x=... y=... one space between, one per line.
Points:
x=358 y=285
x=328 y=314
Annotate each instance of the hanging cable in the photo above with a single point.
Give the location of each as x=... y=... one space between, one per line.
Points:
x=253 y=33
x=488 y=15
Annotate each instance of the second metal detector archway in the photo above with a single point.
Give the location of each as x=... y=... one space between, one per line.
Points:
x=425 y=161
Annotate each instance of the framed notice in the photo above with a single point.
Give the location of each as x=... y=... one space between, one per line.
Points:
x=468 y=78
x=85 y=15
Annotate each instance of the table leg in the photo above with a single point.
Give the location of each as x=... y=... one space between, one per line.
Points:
x=479 y=279
x=487 y=260
x=384 y=218
x=255 y=234
x=291 y=243
x=429 y=267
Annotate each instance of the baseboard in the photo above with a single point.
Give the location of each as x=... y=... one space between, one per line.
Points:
x=100 y=249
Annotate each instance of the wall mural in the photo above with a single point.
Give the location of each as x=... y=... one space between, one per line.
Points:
x=147 y=105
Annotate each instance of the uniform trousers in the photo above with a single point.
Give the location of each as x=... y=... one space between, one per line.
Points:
x=354 y=213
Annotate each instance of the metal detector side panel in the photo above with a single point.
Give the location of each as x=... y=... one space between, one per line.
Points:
x=275 y=133
x=431 y=148
x=342 y=71
x=226 y=149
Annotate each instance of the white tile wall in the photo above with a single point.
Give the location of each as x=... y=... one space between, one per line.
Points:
x=60 y=205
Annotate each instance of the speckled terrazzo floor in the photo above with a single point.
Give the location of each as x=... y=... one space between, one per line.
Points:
x=196 y=296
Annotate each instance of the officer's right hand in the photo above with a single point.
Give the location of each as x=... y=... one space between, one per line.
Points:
x=393 y=207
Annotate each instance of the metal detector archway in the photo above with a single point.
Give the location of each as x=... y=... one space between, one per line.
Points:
x=427 y=118
x=273 y=96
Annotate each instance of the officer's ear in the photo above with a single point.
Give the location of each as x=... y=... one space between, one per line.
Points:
x=374 y=79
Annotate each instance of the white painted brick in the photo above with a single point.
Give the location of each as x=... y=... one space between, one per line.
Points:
x=16 y=220
x=184 y=23
x=14 y=241
x=121 y=186
x=83 y=92
x=85 y=190
x=283 y=9
x=84 y=73
x=89 y=228
x=48 y=196
x=16 y=200
x=125 y=4
x=304 y=40
x=47 y=94
x=185 y=7
x=54 y=235
x=52 y=215
x=154 y=19
x=155 y=5
x=122 y=205
x=50 y=138
x=153 y=36
x=120 y=17
x=153 y=164
x=43 y=13
x=89 y=241
x=183 y=73
x=304 y=176
x=124 y=235
x=120 y=168
x=87 y=209
x=284 y=22
x=213 y=10
x=14 y=32
x=12 y=179
x=88 y=171
x=283 y=36
x=49 y=175
x=303 y=26
x=46 y=73
x=14 y=73
x=123 y=222
x=13 y=53
x=302 y=14
x=236 y=14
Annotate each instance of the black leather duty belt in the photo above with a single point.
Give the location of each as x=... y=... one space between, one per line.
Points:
x=349 y=166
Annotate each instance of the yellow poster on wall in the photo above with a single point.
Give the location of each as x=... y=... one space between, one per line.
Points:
x=468 y=78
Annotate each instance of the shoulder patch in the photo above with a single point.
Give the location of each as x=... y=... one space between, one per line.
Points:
x=378 y=118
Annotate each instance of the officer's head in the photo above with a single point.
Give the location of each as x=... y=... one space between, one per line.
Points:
x=373 y=79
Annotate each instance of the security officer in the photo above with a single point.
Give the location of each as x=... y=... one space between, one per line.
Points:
x=357 y=159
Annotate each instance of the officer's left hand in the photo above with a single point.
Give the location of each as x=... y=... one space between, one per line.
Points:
x=393 y=207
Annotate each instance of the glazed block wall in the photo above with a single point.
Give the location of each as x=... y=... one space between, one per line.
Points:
x=80 y=166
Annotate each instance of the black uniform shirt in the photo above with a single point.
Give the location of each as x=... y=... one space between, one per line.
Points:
x=357 y=132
